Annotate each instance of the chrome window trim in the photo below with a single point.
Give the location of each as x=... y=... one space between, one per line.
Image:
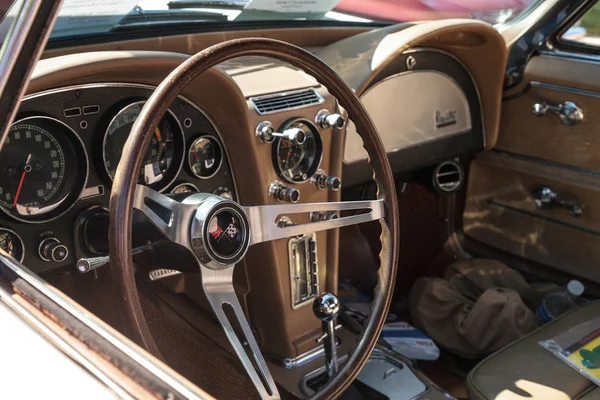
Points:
x=567 y=89
x=59 y=343
x=8 y=53
x=142 y=358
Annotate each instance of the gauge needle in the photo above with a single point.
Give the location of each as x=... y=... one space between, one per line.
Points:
x=26 y=169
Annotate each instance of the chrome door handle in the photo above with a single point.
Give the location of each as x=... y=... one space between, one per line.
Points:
x=546 y=198
x=568 y=112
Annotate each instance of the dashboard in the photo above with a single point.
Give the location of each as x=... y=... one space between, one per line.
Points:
x=60 y=157
x=219 y=137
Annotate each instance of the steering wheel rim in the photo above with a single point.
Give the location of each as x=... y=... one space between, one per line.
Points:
x=123 y=193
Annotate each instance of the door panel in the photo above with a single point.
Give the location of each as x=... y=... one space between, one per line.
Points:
x=545 y=137
x=533 y=152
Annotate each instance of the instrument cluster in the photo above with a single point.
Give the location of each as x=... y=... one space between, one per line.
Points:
x=61 y=155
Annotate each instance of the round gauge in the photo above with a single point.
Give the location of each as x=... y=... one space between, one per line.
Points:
x=184 y=188
x=12 y=244
x=43 y=168
x=164 y=156
x=205 y=157
x=298 y=162
x=223 y=191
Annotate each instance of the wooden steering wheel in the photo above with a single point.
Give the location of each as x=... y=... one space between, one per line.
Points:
x=188 y=223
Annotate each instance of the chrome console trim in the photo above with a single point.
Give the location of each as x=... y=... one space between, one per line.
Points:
x=311 y=266
x=304 y=358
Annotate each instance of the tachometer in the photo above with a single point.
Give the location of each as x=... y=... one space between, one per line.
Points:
x=44 y=169
x=298 y=162
x=164 y=157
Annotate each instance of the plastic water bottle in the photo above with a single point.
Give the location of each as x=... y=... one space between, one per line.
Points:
x=557 y=303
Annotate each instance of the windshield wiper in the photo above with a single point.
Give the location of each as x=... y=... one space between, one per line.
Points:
x=224 y=4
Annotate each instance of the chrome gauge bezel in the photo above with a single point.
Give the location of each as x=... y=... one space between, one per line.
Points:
x=20 y=240
x=69 y=200
x=189 y=148
x=162 y=184
x=319 y=149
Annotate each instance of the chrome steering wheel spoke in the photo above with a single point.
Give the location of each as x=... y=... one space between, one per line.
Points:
x=219 y=231
x=169 y=216
x=263 y=219
x=218 y=287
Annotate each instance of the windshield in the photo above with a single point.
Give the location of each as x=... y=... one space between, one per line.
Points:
x=92 y=17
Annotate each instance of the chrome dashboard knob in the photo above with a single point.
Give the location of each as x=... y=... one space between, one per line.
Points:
x=51 y=249
x=264 y=131
x=326 y=120
x=279 y=191
x=323 y=181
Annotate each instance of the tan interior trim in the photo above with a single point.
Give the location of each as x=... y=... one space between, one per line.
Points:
x=282 y=330
x=476 y=44
x=193 y=43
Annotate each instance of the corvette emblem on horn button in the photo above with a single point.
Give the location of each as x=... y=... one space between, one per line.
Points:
x=224 y=231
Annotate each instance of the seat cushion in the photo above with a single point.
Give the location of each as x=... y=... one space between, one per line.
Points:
x=526 y=370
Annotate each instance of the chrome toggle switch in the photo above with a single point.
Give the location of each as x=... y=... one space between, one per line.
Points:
x=326 y=307
x=85 y=265
x=267 y=134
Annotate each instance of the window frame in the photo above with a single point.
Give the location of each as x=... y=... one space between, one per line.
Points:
x=571 y=47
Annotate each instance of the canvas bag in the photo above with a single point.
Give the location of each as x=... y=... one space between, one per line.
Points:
x=480 y=307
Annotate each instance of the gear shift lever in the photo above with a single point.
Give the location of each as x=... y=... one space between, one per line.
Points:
x=326 y=307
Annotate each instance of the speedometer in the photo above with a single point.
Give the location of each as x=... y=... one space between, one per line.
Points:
x=164 y=156
x=44 y=169
x=298 y=162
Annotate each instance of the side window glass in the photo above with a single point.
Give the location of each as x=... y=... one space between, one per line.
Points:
x=586 y=30
x=8 y=12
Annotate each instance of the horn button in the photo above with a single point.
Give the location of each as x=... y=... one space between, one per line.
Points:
x=220 y=233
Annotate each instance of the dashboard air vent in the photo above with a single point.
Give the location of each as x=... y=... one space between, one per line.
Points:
x=286 y=101
x=447 y=177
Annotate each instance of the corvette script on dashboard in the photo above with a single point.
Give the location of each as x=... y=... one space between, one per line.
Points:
x=447 y=119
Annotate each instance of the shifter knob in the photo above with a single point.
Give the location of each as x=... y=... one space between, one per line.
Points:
x=326 y=307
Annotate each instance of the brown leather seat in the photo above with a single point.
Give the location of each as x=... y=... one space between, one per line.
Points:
x=526 y=370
